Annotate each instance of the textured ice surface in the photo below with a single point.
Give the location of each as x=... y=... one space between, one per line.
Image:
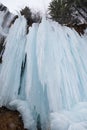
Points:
x=23 y=108
x=57 y=64
x=12 y=61
x=36 y=95
x=46 y=81
x=61 y=64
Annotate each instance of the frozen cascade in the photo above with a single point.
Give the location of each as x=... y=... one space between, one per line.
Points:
x=56 y=62
x=51 y=91
x=12 y=61
x=36 y=96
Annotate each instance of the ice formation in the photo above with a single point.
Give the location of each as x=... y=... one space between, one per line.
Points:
x=44 y=75
x=12 y=60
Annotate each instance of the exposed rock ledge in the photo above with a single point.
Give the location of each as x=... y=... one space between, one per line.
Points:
x=10 y=120
x=79 y=28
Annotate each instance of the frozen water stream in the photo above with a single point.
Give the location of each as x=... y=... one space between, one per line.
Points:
x=44 y=75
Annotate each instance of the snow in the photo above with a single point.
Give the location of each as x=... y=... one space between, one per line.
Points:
x=23 y=108
x=44 y=75
x=59 y=121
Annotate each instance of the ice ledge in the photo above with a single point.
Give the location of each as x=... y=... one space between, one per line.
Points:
x=23 y=107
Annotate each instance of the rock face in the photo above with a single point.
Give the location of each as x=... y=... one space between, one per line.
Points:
x=5 y=18
x=10 y=120
x=79 y=28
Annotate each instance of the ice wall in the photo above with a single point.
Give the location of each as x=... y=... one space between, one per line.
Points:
x=12 y=61
x=57 y=63
x=46 y=81
x=36 y=94
x=6 y=19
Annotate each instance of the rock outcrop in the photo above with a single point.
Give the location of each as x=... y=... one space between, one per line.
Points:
x=10 y=120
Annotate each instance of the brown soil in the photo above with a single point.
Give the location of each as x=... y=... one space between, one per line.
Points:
x=10 y=120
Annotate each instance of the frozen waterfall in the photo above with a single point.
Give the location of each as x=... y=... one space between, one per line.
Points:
x=44 y=75
x=12 y=61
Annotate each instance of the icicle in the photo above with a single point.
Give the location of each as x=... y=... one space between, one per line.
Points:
x=12 y=61
x=51 y=88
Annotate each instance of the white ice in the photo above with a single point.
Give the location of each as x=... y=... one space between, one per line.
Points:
x=57 y=63
x=53 y=86
x=12 y=61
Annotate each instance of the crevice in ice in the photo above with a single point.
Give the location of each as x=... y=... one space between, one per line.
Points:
x=21 y=90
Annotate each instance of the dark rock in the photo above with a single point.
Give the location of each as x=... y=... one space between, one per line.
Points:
x=10 y=120
x=79 y=28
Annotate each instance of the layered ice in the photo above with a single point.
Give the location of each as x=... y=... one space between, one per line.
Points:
x=57 y=59
x=12 y=61
x=44 y=75
x=36 y=95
